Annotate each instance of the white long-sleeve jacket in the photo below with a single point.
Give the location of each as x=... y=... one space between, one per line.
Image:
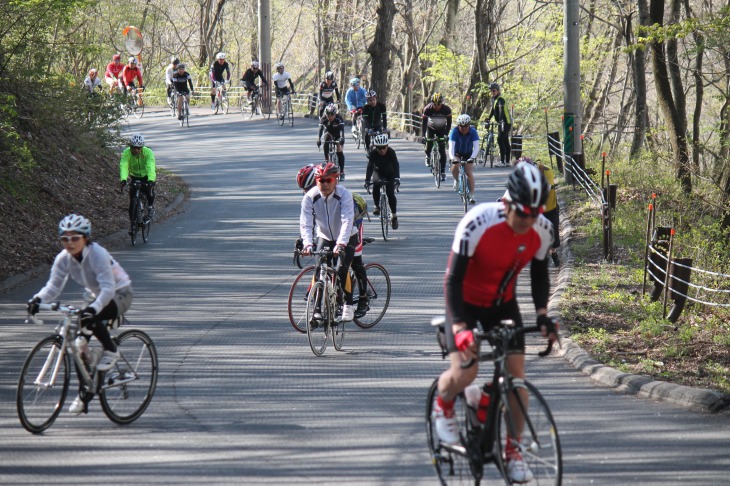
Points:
x=333 y=214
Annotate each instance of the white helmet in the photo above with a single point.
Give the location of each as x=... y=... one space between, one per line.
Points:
x=279 y=65
x=463 y=120
x=136 y=140
x=380 y=140
x=255 y=64
x=75 y=223
x=132 y=60
x=220 y=55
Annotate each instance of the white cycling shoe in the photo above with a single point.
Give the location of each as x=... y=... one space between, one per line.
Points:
x=348 y=313
x=447 y=428
x=518 y=471
x=108 y=360
x=77 y=406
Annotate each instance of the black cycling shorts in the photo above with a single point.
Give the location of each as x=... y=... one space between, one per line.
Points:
x=488 y=317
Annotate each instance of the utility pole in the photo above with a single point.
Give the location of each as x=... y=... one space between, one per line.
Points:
x=572 y=111
x=265 y=50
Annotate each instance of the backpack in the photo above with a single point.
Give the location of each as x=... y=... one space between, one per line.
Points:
x=360 y=206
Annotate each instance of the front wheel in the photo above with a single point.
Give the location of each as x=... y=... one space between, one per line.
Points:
x=280 y=112
x=319 y=316
x=436 y=168
x=127 y=389
x=291 y=113
x=481 y=158
x=464 y=191
x=43 y=385
x=138 y=107
x=224 y=103
x=136 y=218
x=384 y=215
x=297 y=304
x=539 y=444
x=378 y=295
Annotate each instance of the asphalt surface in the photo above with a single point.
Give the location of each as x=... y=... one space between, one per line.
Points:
x=241 y=399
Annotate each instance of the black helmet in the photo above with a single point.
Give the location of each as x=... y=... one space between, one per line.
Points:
x=494 y=86
x=527 y=189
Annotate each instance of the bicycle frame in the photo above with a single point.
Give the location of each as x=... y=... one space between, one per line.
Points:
x=330 y=150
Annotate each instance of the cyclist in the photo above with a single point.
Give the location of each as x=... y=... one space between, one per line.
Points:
x=552 y=209
x=113 y=70
x=138 y=164
x=280 y=80
x=219 y=66
x=331 y=207
x=92 y=82
x=126 y=78
x=91 y=266
x=333 y=127
x=327 y=89
x=170 y=71
x=436 y=123
x=180 y=80
x=306 y=181
x=501 y=116
x=383 y=164
x=463 y=149
x=492 y=244
x=248 y=80
x=374 y=117
x=355 y=100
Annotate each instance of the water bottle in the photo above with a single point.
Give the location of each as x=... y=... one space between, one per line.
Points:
x=478 y=400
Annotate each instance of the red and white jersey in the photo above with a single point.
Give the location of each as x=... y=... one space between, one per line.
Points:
x=496 y=253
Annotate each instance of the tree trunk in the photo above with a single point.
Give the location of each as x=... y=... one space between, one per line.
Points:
x=380 y=48
x=639 y=68
x=484 y=38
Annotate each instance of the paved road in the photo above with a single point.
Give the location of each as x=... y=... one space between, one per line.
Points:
x=242 y=399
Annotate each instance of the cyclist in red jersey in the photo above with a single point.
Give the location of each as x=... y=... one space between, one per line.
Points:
x=113 y=70
x=131 y=72
x=493 y=243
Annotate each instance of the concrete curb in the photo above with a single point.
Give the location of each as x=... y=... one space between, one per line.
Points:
x=640 y=385
x=23 y=278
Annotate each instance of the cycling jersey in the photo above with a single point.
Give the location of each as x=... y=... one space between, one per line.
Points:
x=129 y=74
x=97 y=271
x=140 y=166
x=437 y=120
x=333 y=215
x=281 y=79
x=386 y=165
x=326 y=91
x=355 y=99
x=169 y=72
x=487 y=256
x=90 y=85
x=464 y=146
x=113 y=70
x=181 y=82
x=375 y=117
x=249 y=77
x=334 y=127
x=217 y=69
x=499 y=112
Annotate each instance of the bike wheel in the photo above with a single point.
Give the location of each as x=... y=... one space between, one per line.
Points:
x=127 y=389
x=136 y=218
x=146 y=223
x=464 y=191
x=539 y=444
x=490 y=150
x=378 y=292
x=384 y=214
x=297 y=303
x=252 y=108
x=451 y=462
x=318 y=328
x=280 y=113
x=338 y=334
x=138 y=109
x=187 y=114
x=481 y=158
x=41 y=392
x=436 y=164
x=173 y=106
x=291 y=113
x=224 y=104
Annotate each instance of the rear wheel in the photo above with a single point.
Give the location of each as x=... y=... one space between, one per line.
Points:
x=297 y=304
x=319 y=315
x=127 y=389
x=40 y=396
x=539 y=444
x=378 y=294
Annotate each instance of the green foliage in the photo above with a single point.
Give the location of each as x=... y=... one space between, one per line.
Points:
x=449 y=68
x=13 y=148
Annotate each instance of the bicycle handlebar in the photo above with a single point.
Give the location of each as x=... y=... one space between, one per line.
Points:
x=55 y=307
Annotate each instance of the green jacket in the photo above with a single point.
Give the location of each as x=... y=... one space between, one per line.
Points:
x=142 y=166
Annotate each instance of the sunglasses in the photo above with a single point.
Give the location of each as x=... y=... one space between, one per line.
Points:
x=533 y=213
x=328 y=180
x=385 y=147
x=71 y=239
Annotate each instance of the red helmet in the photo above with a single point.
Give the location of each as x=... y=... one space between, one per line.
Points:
x=116 y=57
x=305 y=177
x=326 y=170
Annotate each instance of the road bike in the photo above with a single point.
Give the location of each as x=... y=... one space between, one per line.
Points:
x=488 y=427
x=434 y=159
x=133 y=103
x=330 y=150
x=386 y=218
x=358 y=133
x=140 y=210
x=488 y=147
x=378 y=289
x=254 y=106
x=221 y=98
x=124 y=391
x=285 y=110
x=463 y=184
x=184 y=115
x=172 y=103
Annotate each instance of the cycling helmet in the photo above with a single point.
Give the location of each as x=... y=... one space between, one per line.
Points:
x=526 y=159
x=279 y=65
x=329 y=75
x=220 y=55
x=527 y=189
x=463 y=120
x=371 y=94
x=331 y=109
x=355 y=82
x=380 y=140
x=181 y=65
x=92 y=71
x=136 y=140
x=255 y=64
x=305 y=177
x=174 y=60
x=494 y=86
x=327 y=169
x=75 y=223
x=437 y=98
x=132 y=60
x=116 y=57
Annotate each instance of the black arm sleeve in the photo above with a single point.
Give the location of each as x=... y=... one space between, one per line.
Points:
x=453 y=289
x=540 y=278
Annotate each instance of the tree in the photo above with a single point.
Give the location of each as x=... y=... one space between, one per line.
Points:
x=380 y=48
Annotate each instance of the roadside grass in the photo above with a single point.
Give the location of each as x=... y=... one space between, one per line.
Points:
x=604 y=309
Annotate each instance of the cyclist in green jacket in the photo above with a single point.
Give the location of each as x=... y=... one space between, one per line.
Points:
x=138 y=164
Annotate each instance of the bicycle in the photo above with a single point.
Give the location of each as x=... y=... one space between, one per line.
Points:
x=378 y=289
x=463 y=184
x=255 y=105
x=139 y=211
x=285 y=109
x=357 y=133
x=434 y=160
x=124 y=391
x=221 y=98
x=385 y=216
x=485 y=440
x=184 y=110
x=133 y=103
x=172 y=103
x=330 y=150
x=487 y=147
